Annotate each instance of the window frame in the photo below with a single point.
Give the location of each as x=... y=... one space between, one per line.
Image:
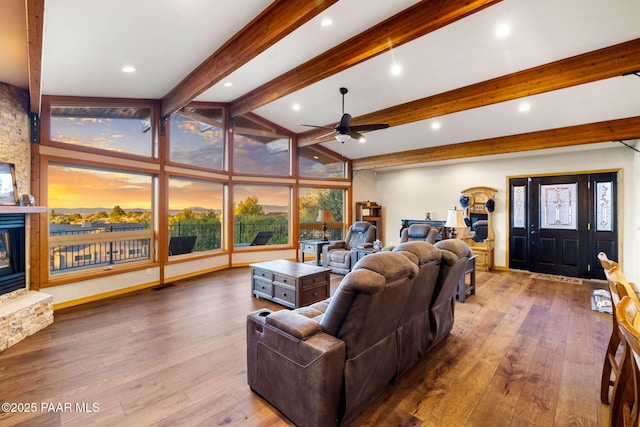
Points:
x=276 y=130
x=226 y=145
x=223 y=233
x=45 y=128
x=92 y=238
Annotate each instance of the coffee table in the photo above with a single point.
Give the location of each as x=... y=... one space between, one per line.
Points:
x=289 y=283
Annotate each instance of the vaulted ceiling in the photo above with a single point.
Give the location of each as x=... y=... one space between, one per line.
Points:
x=454 y=79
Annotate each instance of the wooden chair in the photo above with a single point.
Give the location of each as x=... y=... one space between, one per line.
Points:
x=612 y=366
x=628 y=316
x=605 y=262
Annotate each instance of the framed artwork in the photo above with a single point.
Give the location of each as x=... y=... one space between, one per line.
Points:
x=8 y=185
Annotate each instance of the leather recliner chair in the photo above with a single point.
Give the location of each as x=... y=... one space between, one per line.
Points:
x=419 y=232
x=324 y=372
x=337 y=254
x=455 y=256
x=481 y=230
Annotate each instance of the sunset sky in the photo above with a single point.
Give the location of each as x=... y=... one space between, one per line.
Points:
x=74 y=187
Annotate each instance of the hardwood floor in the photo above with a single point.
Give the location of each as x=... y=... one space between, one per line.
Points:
x=523 y=352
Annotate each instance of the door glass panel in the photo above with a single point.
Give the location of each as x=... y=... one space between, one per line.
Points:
x=604 y=206
x=518 y=206
x=558 y=206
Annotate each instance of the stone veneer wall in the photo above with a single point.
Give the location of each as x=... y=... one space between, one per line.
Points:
x=15 y=146
x=22 y=312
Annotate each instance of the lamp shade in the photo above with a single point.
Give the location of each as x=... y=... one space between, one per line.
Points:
x=451 y=219
x=324 y=215
x=455 y=219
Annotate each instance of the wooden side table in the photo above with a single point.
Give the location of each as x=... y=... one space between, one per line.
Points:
x=357 y=254
x=463 y=288
x=312 y=247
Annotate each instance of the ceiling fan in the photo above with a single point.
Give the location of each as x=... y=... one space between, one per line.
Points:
x=343 y=130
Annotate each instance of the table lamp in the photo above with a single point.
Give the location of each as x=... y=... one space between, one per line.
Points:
x=454 y=220
x=324 y=216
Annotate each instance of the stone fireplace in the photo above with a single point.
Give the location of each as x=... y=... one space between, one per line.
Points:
x=23 y=310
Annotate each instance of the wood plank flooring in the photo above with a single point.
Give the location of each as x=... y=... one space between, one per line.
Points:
x=523 y=352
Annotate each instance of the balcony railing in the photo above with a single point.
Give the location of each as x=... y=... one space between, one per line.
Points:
x=209 y=235
x=83 y=248
x=94 y=247
x=313 y=231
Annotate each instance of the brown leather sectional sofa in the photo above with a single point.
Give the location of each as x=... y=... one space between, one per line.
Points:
x=323 y=364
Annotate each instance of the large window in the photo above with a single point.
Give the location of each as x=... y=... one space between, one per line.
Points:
x=98 y=217
x=261 y=215
x=197 y=137
x=259 y=150
x=311 y=200
x=195 y=215
x=123 y=129
x=317 y=162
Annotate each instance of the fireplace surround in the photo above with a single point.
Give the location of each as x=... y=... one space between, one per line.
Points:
x=12 y=253
x=23 y=312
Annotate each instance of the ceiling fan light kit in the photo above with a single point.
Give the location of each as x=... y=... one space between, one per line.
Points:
x=343 y=130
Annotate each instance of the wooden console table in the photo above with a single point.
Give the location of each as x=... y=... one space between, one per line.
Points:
x=289 y=283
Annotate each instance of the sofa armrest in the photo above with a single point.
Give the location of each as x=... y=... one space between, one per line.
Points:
x=294 y=324
x=337 y=244
x=303 y=378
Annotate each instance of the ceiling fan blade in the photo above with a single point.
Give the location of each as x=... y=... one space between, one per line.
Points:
x=365 y=128
x=316 y=126
x=355 y=135
x=326 y=135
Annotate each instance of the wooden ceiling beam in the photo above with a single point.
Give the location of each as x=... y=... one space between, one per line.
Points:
x=612 y=130
x=281 y=18
x=600 y=64
x=35 y=24
x=410 y=24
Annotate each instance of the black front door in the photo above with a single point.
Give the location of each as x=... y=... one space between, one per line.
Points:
x=558 y=224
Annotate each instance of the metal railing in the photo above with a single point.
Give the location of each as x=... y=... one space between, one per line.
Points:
x=209 y=235
x=83 y=248
x=245 y=232
x=313 y=231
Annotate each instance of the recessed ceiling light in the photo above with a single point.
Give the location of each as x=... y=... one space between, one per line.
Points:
x=228 y=84
x=396 y=69
x=362 y=139
x=503 y=30
x=128 y=69
x=296 y=107
x=435 y=125
x=326 y=22
x=524 y=107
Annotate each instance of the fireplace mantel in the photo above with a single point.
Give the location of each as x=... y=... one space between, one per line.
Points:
x=22 y=209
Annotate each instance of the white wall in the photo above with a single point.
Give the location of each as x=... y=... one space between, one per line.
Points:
x=410 y=193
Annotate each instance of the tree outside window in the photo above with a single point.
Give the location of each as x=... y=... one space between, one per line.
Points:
x=313 y=199
x=259 y=208
x=195 y=215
